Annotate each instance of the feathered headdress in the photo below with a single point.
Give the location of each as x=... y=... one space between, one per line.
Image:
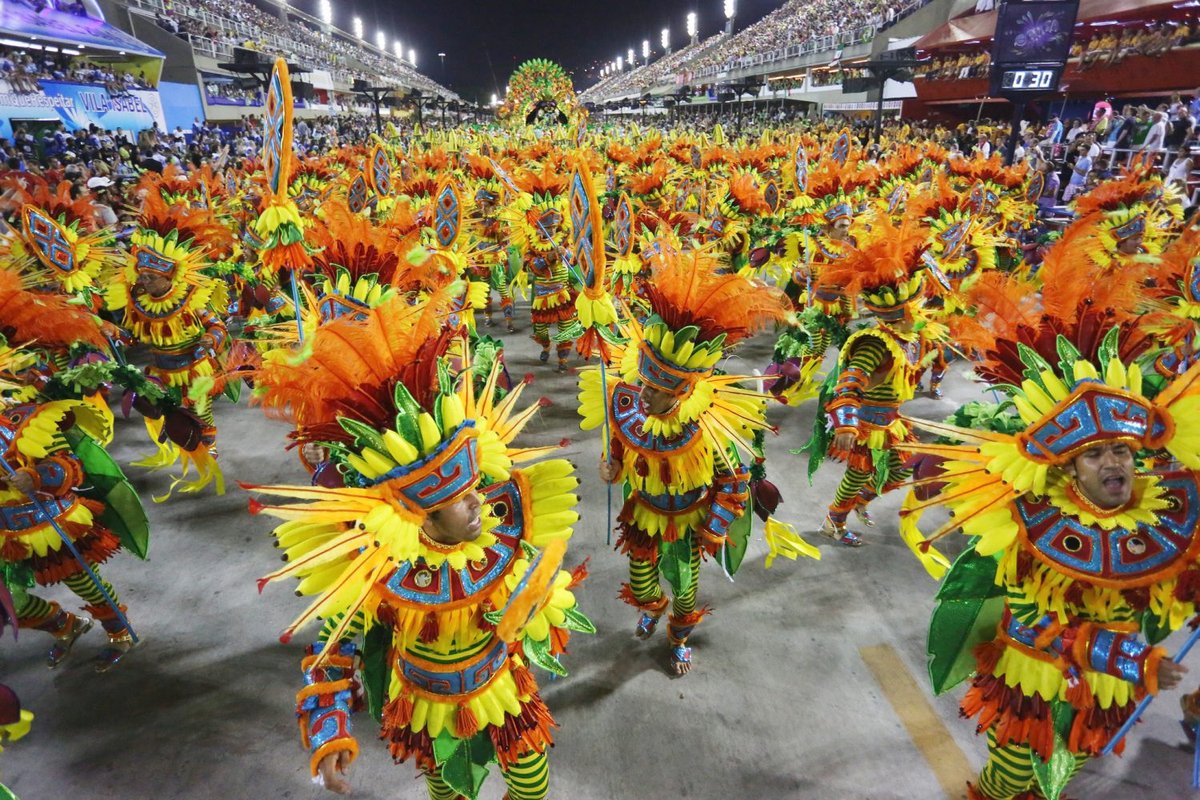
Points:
x=696 y=313
x=410 y=438
x=886 y=269
x=59 y=242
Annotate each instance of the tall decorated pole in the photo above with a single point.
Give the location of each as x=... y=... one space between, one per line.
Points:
x=594 y=303
x=279 y=225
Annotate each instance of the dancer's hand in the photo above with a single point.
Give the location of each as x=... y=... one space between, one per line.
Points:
x=1170 y=674
x=844 y=441
x=21 y=481
x=331 y=768
x=609 y=470
x=314 y=454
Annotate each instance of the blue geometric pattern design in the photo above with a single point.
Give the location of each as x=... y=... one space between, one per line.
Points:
x=581 y=229
x=447 y=216
x=52 y=246
x=623 y=226
x=1133 y=557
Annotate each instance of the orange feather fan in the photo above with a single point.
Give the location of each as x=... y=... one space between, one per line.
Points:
x=686 y=289
x=197 y=225
x=353 y=242
x=350 y=368
x=548 y=181
x=34 y=190
x=42 y=317
x=890 y=256
x=1112 y=194
x=1071 y=277
x=1002 y=304
x=748 y=196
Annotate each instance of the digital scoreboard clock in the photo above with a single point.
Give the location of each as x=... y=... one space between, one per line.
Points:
x=1030 y=79
x=1031 y=46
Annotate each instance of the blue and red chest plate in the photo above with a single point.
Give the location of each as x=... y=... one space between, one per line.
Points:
x=1118 y=558
x=628 y=416
x=418 y=584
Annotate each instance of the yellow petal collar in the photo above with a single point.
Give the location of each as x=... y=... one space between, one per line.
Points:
x=1146 y=500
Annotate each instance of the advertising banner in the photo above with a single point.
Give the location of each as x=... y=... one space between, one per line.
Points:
x=78 y=105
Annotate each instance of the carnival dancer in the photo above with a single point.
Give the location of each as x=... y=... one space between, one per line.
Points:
x=177 y=310
x=1068 y=661
x=535 y=219
x=48 y=447
x=491 y=252
x=440 y=553
x=878 y=370
x=1086 y=558
x=677 y=435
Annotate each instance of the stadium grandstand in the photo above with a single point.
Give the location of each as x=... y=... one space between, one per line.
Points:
x=805 y=56
x=142 y=64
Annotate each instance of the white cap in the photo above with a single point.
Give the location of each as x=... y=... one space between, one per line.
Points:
x=99 y=182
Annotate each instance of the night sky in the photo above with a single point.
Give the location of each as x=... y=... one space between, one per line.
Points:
x=484 y=40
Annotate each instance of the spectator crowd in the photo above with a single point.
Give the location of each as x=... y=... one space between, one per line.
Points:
x=21 y=69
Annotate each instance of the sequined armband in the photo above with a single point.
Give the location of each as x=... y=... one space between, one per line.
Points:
x=730 y=491
x=325 y=704
x=1123 y=655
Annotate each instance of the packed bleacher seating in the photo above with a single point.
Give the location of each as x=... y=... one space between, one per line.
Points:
x=215 y=27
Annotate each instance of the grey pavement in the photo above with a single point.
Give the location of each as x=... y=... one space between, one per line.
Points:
x=779 y=704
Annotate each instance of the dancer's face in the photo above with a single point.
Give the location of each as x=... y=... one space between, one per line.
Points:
x=657 y=401
x=154 y=285
x=1104 y=474
x=461 y=521
x=1131 y=246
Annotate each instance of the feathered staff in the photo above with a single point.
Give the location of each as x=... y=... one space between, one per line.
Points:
x=594 y=303
x=279 y=225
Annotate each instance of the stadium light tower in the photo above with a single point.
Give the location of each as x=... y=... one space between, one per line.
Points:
x=381 y=40
x=412 y=56
x=620 y=63
x=358 y=27
x=398 y=48
x=325 y=9
x=665 y=40
x=645 y=51
x=730 y=13
x=631 y=58
x=692 y=28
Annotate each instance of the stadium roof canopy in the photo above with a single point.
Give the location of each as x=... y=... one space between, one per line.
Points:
x=20 y=23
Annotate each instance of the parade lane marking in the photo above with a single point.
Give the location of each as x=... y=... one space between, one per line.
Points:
x=919 y=719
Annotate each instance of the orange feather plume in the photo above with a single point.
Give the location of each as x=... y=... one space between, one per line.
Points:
x=891 y=255
x=686 y=289
x=42 y=317
x=34 y=190
x=351 y=241
x=1071 y=277
x=1002 y=304
x=352 y=367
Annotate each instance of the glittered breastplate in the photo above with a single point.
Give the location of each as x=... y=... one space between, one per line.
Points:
x=629 y=416
x=1121 y=558
x=418 y=584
